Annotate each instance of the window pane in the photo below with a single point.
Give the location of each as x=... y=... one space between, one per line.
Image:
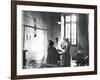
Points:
x=67 y=31
x=68 y=25
x=73 y=37
x=67 y=28
x=73 y=34
x=70 y=28
x=73 y=28
x=68 y=36
x=73 y=18
x=68 y=19
x=74 y=25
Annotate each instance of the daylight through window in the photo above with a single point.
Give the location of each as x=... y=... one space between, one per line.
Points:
x=70 y=28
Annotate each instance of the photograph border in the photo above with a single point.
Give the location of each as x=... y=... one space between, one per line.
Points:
x=14 y=39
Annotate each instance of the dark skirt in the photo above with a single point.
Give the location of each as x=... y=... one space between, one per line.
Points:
x=67 y=59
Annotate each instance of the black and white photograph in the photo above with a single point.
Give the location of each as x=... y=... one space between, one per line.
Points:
x=52 y=39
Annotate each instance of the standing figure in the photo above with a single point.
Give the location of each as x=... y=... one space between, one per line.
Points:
x=66 y=53
x=52 y=56
x=56 y=43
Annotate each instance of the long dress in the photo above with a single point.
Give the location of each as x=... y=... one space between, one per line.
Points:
x=67 y=56
x=52 y=56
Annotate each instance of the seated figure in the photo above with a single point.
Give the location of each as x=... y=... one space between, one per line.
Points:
x=52 y=56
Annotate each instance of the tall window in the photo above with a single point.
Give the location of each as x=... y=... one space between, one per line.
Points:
x=70 y=28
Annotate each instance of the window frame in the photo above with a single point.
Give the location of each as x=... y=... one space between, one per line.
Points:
x=77 y=24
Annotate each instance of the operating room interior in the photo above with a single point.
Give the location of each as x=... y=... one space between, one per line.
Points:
x=49 y=26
